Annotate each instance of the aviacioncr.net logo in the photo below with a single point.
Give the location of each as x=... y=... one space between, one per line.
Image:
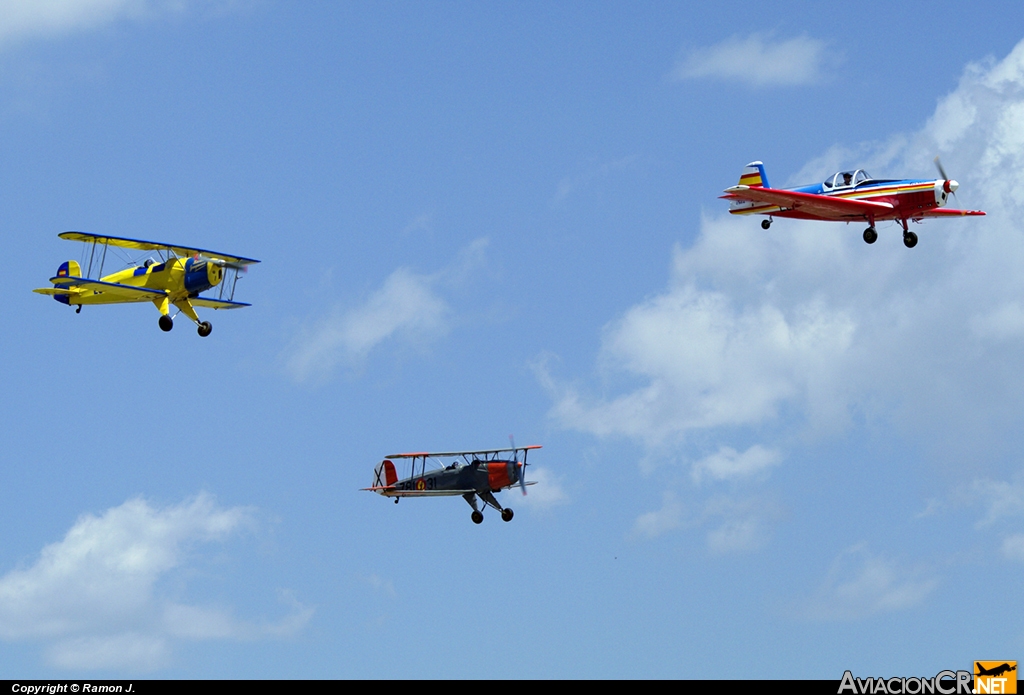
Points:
x=943 y=683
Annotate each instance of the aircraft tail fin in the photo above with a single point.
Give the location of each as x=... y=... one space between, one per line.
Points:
x=384 y=475
x=69 y=269
x=753 y=175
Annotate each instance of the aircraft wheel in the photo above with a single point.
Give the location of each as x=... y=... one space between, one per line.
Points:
x=166 y=323
x=910 y=240
x=205 y=328
x=870 y=235
x=506 y=514
x=477 y=517
x=765 y=224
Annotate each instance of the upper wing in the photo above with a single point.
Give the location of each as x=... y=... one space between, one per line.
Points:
x=141 y=245
x=210 y=303
x=946 y=212
x=116 y=292
x=821 y=205
x=418 y=454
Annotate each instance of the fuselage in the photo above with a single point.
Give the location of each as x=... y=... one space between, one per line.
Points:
x=481 y=476
x=908 y=198
x=181 y=278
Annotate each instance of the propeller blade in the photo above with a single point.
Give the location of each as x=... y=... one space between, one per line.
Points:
x=522 y=466
x=942 y=172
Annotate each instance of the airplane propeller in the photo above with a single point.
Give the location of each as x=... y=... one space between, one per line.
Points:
x=522 y=470
x=221 y=262
x=948 y=184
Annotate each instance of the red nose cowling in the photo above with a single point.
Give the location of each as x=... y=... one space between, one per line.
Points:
x=497 y=475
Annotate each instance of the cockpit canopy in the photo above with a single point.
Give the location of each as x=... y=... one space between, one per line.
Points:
x=847 y=179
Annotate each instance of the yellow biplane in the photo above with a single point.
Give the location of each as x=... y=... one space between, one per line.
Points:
x=176 y=278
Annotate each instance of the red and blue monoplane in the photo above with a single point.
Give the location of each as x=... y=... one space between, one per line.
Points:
x=847 y=196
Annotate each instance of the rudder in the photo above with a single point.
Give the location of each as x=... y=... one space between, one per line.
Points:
x=753 y=175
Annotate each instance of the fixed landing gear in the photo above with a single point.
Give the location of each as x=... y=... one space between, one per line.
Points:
x=166 y=323
x=765 y=224
x=205 y=328
x=477 y=517
x=506 y=514
x=78 y=309
x=909 y=239
x=870 y=235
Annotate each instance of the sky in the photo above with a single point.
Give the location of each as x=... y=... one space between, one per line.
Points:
x=784 y=450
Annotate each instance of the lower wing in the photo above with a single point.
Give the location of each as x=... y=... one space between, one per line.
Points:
x=392 y=491
x=216 y=303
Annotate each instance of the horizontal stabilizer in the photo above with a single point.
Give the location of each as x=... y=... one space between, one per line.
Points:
x=115 y=292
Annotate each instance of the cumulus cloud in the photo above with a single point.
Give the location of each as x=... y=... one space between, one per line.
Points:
x=801 y=326
x=548 y=491
x=92 y=597
x=728 y=464
x=860 y=584
x=1003 y=498
x=668 y=518
x=407 y=308
x=31 y=19
x=758 y=60
x=797 y=333
x=1013 y=547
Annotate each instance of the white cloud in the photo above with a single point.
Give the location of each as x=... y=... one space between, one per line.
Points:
x=860 y=584
x=92 y=596
x=758 y=60
x=793 y=329
x=728 y=464
x=407 y=308
x=1013 y=547
x=791 y=335
x=1003 y=498
x=31 y=19
x=668 y=518
x=546 y=493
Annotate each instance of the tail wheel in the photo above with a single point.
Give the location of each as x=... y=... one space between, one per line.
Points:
x=166 y=323
x=205 y=328
x=765 y=224
x=910 y=240
x=477 y=517
x=507 y=514
x=870 y=235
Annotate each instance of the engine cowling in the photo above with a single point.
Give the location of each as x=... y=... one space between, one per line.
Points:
x=500 y=475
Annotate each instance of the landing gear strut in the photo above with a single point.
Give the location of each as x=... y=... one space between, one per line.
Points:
x=765 y=224
x=166 y=323
x=870 y=235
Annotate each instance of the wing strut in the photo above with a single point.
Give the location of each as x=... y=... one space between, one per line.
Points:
x=92 y=253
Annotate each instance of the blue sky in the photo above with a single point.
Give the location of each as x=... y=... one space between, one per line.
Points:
x=786 y=451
